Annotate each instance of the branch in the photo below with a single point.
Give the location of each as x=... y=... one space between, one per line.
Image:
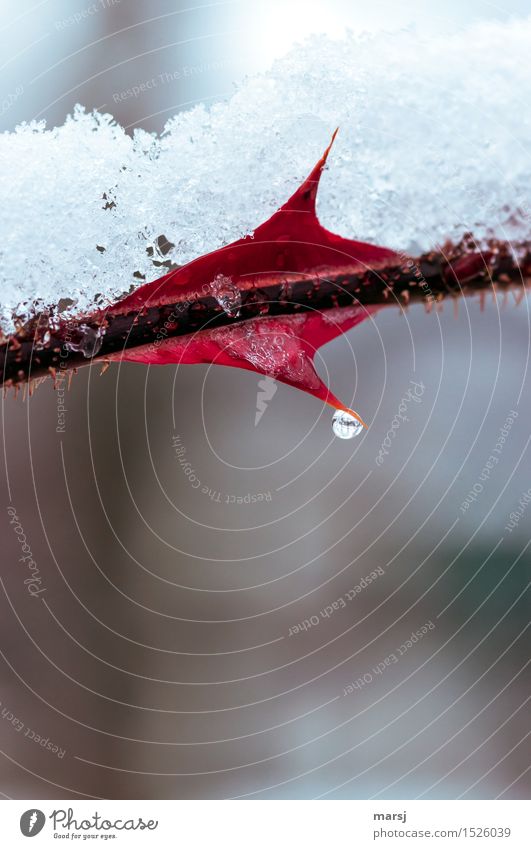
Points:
x=45 y=344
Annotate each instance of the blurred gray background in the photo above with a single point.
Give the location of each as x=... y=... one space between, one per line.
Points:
x=158 y=660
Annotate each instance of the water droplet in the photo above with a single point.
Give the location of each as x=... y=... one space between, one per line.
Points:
x=227 y=295
x=86 y=340
x=346 y=426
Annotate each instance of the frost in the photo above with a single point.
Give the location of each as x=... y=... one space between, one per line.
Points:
x=272 y=348
x=434 y=140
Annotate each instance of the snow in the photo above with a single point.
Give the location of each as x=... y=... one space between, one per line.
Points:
x=435 y=140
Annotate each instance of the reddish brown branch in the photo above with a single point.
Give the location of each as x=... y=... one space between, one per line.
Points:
x=44 y=344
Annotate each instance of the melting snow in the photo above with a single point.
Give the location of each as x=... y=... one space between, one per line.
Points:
x=435 y=139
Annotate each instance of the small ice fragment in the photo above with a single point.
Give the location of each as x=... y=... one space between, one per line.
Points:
x=227 y=295
x=345 y=426
x=86 y=340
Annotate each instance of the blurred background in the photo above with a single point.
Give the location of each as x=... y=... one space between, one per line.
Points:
x=242 y=625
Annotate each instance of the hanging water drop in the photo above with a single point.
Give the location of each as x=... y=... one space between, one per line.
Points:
x=345 y=425
x=227 y=295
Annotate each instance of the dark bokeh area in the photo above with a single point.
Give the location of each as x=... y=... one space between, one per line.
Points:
x=233 y=607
